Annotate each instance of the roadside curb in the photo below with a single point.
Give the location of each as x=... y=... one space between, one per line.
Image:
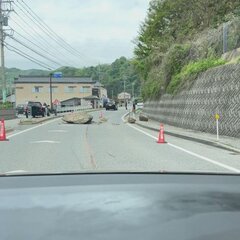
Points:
x=187 y=137
x=31 y=122
x=199 y=140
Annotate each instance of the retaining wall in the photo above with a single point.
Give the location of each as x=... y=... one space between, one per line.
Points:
x=215 y=91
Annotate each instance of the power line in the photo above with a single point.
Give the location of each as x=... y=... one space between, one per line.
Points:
x=27 y=32
x=36 y=45
x=41 y=37
x=49 y=34
x=32 y=59
x=14 y=49
x=43 y=45
x=35 y=51
x=50 y=30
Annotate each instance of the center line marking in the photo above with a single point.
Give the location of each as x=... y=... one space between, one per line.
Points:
x=185 y=150
x=58 y=131
x=45 y=141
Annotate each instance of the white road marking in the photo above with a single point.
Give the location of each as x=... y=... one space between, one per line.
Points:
x=206 y=159
x=58 y=131
x=32 y=128
x=45 y=141
x=185 y=150
x=16 y=171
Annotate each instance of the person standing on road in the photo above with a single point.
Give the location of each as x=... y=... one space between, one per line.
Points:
x=126 y=105
x=46 y=109
x=26 y=111
x=134 y=107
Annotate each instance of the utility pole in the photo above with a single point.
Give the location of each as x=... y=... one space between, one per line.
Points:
x=4 y=92
x=50 y=89
x=225 y=37
x=4 y=14
x=124 y=89
x=133 y=90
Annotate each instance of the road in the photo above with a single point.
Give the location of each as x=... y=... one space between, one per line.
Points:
x=114 y=145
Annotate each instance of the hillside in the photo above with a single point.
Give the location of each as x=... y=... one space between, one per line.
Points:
x=182 y=38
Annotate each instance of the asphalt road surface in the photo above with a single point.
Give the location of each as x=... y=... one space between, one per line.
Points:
x=114 y=145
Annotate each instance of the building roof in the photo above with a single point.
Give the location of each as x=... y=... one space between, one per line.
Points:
x=45 y=79
x=91 y=98
x=70 y=99
x=98 y=84
x=122 y=95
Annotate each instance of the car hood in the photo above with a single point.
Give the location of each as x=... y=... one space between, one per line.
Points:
x=167 y=210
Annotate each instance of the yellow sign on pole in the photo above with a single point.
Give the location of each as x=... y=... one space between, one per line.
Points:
x=217 y=116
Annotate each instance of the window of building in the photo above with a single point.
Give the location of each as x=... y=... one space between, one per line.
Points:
x=85 y=89
x=37 y=89
x=70 y=89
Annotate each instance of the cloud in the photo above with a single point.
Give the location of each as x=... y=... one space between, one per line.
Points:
x=101 y=29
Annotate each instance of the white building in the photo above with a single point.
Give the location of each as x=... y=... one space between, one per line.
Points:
x=124 y=96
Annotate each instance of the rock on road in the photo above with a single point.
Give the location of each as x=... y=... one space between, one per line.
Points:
x=108 y=146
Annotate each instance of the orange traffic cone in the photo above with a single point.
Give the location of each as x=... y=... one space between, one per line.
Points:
x=2 y=131
x=161 y=138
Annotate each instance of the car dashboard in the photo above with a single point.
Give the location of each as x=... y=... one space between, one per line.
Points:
x=120 y=206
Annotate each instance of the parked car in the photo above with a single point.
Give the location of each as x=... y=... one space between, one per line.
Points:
x=21 y=108
x=35 y=109
x=140 y=105
x=111 y=105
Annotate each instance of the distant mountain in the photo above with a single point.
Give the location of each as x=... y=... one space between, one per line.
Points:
x=15 y=72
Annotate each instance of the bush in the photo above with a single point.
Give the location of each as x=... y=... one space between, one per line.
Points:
x=191 y=71
x=174 y=60
x=6 y=105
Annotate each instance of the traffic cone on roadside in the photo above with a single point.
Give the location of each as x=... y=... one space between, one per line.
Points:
x=161 y=138
x=2 y=131
x=101 y=115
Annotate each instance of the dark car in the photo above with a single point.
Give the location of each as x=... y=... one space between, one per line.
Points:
x=111 y=105
x=21 y=108
x=35 y=109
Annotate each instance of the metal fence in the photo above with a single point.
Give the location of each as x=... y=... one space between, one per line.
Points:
x=72 y=108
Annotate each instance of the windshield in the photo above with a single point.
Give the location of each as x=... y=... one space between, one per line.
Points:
x=119 y=86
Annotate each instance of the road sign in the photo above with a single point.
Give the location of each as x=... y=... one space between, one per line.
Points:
x=57 y=75
x=217 y=116
x=56 y=102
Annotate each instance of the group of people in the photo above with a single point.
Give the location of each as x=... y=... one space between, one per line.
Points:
x=133 y=106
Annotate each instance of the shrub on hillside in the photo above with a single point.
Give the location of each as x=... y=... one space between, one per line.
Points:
x=191 y=71
x=6 y=105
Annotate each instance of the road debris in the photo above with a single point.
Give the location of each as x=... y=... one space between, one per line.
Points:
x=78 y=118
x=143 y=117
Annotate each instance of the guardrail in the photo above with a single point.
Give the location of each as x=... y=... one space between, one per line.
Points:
x=72 y=108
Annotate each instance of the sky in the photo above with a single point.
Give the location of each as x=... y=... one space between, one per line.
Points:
x=100 y=30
